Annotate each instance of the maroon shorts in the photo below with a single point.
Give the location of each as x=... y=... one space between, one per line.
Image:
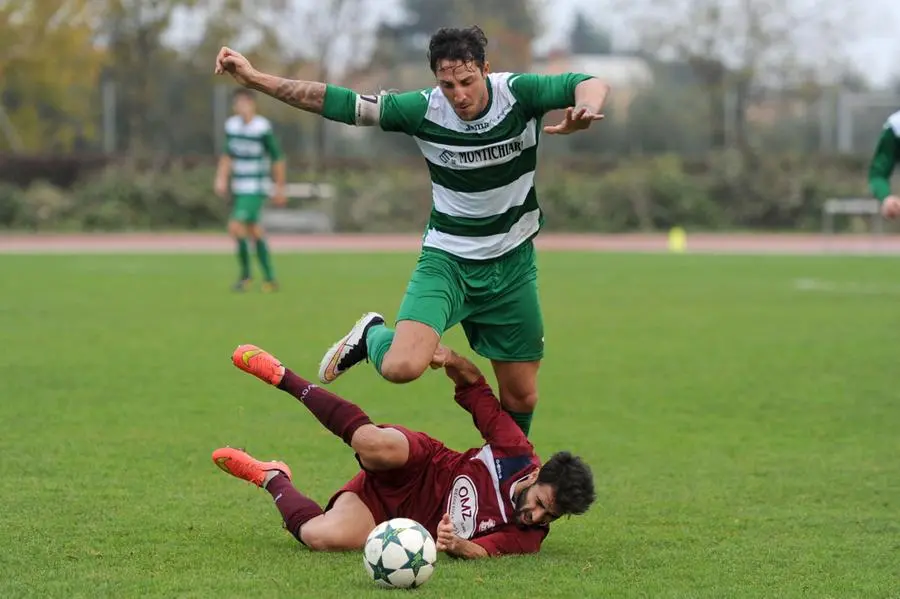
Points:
x=416 y=490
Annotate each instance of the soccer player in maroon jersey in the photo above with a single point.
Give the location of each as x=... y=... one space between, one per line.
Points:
x=496 y=499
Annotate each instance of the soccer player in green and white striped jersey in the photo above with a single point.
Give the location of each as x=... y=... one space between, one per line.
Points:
x=478 y=132
x=251 y=155
x=884 y=159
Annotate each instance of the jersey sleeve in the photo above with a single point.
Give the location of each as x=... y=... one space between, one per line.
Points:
x=404 y=112
x=883 y=161
x=273 y=148
x=540 y=94
x=513 y=541
x=497 y=427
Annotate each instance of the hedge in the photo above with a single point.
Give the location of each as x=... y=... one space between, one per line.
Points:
x=645 y=194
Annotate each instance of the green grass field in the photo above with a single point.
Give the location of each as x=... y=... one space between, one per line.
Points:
x=744 y=434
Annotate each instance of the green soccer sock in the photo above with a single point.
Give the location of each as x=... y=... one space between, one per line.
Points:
x=265 y=260
x=523 y=419
x=243 y=252
x=378 y=342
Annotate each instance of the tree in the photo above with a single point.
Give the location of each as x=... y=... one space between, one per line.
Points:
x=132 y=30
x=48 y=69
x=510 y=26
x=335 y=34
x=586 y=38
x=739 y=47
x=165 y=85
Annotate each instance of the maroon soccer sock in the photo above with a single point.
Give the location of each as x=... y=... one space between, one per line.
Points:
x=337 y=415
x=296 y=508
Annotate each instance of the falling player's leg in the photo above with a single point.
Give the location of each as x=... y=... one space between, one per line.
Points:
x=344 y=526
x=378 y=448
x=432 y=304
x=394 y=455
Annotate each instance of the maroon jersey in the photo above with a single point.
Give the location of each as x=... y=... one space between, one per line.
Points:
x=479 y=496
x=474 y=487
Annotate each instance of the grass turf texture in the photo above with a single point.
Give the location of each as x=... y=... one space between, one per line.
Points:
x=743 y=433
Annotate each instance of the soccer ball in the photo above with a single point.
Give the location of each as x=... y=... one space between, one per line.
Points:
x=399 y=554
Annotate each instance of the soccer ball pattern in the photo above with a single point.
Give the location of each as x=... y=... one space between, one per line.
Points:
x=399 y=553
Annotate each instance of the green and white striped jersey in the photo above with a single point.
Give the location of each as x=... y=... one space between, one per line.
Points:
x=885 y=158
x=252 y=147
x=482 y=171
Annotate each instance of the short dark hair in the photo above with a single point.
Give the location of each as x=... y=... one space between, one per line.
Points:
x=466 y=45
x=573 y=481
x=243 y=91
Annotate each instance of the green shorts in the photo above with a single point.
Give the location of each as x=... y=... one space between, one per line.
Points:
x=495 y=301
x=247 y=208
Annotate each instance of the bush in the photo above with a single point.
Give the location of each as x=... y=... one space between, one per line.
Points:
x=636 y=193
x=12 y=202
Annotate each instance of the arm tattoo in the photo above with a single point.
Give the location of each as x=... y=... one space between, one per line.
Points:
x=305 y=95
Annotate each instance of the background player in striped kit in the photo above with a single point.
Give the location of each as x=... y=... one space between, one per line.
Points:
x=251 y=153
x=478 y=132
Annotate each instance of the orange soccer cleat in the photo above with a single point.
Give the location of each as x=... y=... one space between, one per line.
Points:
x=259 y=363
x=240 y=464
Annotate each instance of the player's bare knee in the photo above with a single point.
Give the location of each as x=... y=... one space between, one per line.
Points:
x=380 y=449
x=255 y=231
x=403 y=368
x=410 y=353
x=318 y=538
x=518 y=385
x=237 y=229
x=523 y=401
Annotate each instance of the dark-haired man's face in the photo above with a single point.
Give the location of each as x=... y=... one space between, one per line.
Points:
x=464 y=85
x=536 y=503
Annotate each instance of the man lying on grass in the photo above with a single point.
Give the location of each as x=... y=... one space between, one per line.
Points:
x=491 y=500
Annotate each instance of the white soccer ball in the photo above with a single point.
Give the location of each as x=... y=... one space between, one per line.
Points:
x=399 y=554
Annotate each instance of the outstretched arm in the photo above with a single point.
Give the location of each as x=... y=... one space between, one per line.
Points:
x=582 y=97
x=305 y=95
x=474 y=394
x=402 y=112
x=590 y=96
x=460 y=369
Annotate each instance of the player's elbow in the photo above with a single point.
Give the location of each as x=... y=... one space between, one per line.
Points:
x=594 y=86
